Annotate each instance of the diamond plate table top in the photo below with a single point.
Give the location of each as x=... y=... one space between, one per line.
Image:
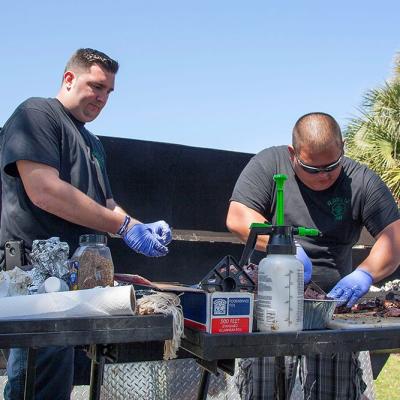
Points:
x=160 y=380
x=175 y=380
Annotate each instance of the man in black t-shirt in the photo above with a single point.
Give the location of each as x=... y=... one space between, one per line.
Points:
x=55 y=183
x=338 y=196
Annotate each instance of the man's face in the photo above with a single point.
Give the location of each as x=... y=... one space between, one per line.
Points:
x=88 y=91
x=329 y=158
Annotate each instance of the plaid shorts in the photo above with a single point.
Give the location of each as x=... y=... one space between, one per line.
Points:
x=323 y=377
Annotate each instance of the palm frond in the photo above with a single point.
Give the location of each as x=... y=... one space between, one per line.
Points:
x=392 y=179
x=373 y=137
x=397 y=67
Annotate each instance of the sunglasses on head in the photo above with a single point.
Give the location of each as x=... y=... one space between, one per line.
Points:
x=316 y=170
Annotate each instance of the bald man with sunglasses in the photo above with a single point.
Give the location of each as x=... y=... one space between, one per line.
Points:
x=338 y=196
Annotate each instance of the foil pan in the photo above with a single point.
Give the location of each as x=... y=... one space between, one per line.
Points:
x=317 y=313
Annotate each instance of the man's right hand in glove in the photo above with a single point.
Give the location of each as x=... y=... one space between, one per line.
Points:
x=148 y=239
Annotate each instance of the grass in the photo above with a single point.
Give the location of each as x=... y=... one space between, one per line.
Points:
x=387 y=385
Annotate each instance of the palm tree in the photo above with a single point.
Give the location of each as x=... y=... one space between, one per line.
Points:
x=374 y=137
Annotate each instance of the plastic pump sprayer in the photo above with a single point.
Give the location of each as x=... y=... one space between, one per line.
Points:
x=280 y=297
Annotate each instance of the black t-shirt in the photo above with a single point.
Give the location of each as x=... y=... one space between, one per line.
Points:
x=41 y=130
x=358 y=198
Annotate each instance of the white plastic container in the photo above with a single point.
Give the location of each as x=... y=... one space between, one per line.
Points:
x=280 y=298
x=53 y=284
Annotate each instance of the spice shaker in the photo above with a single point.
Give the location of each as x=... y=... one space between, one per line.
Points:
x=96 y=267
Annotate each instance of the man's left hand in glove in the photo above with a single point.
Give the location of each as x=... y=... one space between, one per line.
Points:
x=352 y=287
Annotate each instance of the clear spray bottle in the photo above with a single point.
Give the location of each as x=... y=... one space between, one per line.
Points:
x=280 y=295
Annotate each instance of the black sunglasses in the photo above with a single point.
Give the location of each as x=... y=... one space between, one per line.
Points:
x=315 y=170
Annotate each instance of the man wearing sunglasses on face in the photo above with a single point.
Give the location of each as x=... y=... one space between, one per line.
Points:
x=338 y=196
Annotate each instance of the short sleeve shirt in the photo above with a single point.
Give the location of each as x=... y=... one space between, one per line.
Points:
x=358 y=198
x=41 y=130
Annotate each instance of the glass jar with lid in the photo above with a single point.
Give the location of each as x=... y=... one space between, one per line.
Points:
x=96 y=267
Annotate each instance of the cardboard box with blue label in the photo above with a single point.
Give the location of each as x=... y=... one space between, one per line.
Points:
x=218 y=312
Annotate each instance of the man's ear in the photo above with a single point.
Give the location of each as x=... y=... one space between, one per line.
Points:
x=69 y=78
x=291 y=152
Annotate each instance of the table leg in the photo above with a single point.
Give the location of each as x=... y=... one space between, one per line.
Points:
x=204 y=383
x=96 y=373
x=280 y=379
x=30 y=375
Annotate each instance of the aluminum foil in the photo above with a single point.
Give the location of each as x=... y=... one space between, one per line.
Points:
x=49 y=258
x=15 y=282
x=4 y=283
x=388 y=286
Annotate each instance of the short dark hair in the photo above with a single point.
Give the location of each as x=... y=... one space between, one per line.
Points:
x=316 y=130
x=85 y=58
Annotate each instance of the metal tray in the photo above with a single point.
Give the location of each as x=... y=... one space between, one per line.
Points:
x=362 y=320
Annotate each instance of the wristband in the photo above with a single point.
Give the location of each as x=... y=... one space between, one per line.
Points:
x=124 y=225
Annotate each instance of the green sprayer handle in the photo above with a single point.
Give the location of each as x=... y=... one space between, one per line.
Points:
x=301 y=231
x=280 y=208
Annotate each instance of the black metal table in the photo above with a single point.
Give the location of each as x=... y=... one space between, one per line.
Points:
x=216 y=350
x=95 y=331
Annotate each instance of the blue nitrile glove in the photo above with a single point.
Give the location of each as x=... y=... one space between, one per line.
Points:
x=303 y=257
x=143 y=239
x=350 y=288
x=163 y=232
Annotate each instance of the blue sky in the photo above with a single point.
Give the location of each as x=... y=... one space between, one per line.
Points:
x=231 y=75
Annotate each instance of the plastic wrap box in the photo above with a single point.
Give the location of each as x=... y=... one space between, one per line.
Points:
x=218 y=312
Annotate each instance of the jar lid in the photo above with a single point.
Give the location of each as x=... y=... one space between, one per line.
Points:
x=92 y=239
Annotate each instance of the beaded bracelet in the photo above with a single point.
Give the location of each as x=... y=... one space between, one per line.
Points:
x=124 y=226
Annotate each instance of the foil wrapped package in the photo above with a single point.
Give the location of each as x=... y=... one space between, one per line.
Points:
x=49 y=258
x=15 y=282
